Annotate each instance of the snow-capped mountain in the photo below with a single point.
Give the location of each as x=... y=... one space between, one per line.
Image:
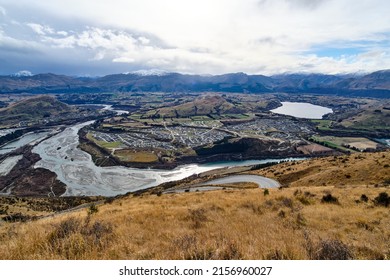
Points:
x=23 y=73
x=148 y=72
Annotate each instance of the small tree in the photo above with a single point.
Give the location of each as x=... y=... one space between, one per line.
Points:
x=92 y=209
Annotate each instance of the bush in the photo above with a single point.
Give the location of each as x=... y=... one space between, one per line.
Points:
x=282 y=214
x=72 y=239
x=266 y=192
x=18 y=217
x=92 y=209
x=197 y=217
x=382 y=199
x=329 y=199
x=304 y=200
x=64 y=229
x=364 y=198
x=333 y=250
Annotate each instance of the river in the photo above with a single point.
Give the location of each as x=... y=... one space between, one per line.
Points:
x=76 y=169
x=7 y=164
x=26 y=139
x=302 y=110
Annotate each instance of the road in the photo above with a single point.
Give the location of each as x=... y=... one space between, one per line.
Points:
x=261 y=181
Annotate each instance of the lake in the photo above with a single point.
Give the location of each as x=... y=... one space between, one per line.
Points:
x=302 y=110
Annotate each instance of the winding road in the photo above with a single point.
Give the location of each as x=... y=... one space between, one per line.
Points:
x=261 y=181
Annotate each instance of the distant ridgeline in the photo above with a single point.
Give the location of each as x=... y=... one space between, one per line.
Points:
x=376 y=84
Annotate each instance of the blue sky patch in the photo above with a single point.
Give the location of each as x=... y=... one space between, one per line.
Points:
x=347 y=49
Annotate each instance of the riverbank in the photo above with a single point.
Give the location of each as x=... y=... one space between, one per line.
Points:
x=25 y=180
x=254 y=150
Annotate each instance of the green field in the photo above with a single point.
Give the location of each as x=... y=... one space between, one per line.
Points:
x=348 y=144
x=104 y=144
x=323 y=124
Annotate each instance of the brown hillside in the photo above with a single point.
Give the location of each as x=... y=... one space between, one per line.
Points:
x=203 y=105
x=346 y=220
x=367 y=169
x=34 y=108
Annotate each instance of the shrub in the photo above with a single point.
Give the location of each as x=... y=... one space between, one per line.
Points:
x=92 y=209
x=109 y=200
x=382 y=199
x=304 y=200
x=277 y=255
x=287 y=202
x=301 y=221
x=197 y=217
x=282 y=214
x=297 y=192
x=332 y=250
x=64 y=229
x=329 y=199
x=17 y=217
x=364 y=198
x=72 y=238
x=266 y=192
x=98 y=231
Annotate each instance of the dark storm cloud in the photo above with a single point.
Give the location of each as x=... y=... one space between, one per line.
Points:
x=66 y=47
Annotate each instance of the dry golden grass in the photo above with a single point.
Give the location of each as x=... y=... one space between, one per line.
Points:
x=360 y=169
x=235 y=224
x=287 y=223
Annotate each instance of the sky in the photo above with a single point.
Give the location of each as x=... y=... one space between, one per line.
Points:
x=100 y=37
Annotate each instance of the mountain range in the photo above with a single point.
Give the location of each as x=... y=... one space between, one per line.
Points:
x=376 y=84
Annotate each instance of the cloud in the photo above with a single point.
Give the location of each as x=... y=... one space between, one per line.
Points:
x=3 y=12
x=200 y=36
x=41 y=29
x=308 y=4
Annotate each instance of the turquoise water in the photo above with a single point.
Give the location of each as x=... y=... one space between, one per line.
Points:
x=384 y=141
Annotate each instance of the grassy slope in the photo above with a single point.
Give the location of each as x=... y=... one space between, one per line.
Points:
x=365 y=169
x=33 y=108
x=289 y=223
x=203 y=105
x=372 y=117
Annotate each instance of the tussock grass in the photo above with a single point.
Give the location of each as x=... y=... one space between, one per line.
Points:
x=226 y=224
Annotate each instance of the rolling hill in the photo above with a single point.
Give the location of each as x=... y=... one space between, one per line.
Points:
x=33 y=108
x=371 y=85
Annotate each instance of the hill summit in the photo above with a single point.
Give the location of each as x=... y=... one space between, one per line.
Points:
x=371 y=85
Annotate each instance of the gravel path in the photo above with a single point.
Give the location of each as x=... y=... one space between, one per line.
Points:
x=261 y=181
